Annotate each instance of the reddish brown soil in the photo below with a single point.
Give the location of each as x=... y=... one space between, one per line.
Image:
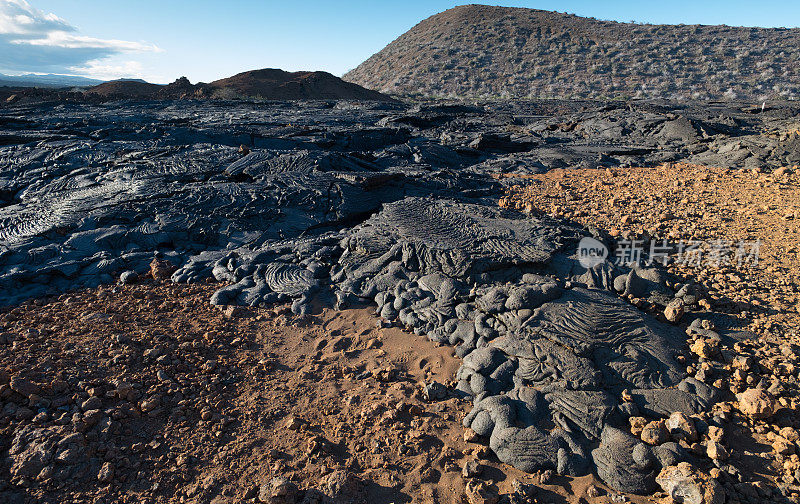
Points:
x=224 y=403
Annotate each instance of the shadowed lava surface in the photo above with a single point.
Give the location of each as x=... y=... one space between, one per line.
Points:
x=341 y=203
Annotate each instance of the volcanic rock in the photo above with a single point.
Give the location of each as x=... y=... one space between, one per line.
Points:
x=674 y=311
x=23 y=386
x=756 y=403
x=161 y=269
x=716 y=451
x=278 y=490
x=681 y=427
x=106 y=473
x=654 y=433
x=685 y=484
x=478 y=492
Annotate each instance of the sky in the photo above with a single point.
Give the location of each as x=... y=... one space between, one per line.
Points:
x=204 y=40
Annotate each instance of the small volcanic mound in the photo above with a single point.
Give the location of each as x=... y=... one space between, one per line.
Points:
x=126 y=88
x=275 y=84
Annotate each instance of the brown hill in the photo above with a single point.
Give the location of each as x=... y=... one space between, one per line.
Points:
x=268 y=83
x=477 y=50
x=274 y=84
x=126 y=88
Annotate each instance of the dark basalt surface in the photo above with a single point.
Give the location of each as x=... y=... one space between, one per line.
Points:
x=396 y=205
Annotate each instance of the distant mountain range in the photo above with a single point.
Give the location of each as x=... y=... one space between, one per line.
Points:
x=266 y=84
x=47 y=81
x=503 y=52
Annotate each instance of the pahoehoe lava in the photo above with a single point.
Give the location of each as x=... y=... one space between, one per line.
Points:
x=395 y=205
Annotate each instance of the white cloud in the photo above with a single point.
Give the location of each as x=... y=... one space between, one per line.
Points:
x=65 y=40
x=34 y=41
x=107 y=69
x=17 y=17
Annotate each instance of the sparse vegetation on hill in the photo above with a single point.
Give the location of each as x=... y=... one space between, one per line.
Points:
x=488 y=51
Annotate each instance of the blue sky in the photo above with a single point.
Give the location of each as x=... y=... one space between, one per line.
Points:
x=160 y=40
